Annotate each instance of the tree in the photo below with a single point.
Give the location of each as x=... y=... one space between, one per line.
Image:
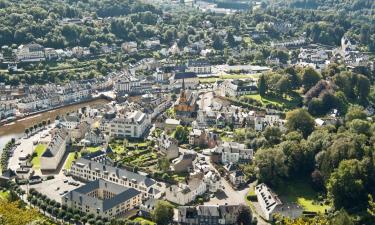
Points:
x=262 y=86
x=163 y=164
x=283 y=86
x=163 y=213
x=271 y=165
x=355 y=112
x=342 y=217
x=346 y=185
x=217 y=43
x=309 y=78
x=272 y=134
x=300 y=120
x=362 y=87
x=245 y=216
x=181 y=134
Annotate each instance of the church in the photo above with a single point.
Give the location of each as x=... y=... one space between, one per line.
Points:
x=186 y=105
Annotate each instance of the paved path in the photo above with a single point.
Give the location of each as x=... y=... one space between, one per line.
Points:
x=26 y=147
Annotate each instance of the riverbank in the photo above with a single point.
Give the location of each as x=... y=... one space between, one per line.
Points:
x=17 y=128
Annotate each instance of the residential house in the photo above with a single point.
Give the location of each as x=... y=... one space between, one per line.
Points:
x=183 y=194
x=129 y=47
x=168 y=146
x=208 y=215
x=235 y=175
x=233 y=152
x=95 y=137
x=184 y=163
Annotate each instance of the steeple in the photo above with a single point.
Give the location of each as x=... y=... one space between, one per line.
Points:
x=183 y=84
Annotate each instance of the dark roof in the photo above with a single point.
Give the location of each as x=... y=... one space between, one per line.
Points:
x=199 y=62
x=120 y=172
x=247 y=88
x=9 y=173
x=122 y=194
x=184 y=75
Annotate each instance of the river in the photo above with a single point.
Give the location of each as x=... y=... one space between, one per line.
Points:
x=16 y=129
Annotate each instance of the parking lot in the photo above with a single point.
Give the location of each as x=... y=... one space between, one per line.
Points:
x=56 y=187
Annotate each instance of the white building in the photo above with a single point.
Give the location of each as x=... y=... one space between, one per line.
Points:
x=129 y=125
x=182 y=194
x=232 y=152
x=30 y=53
x=268 y=201
x=234 y=88
x=199 y=66
x=56 y=149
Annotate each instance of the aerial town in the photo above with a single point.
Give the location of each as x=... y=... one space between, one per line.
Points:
x=187 y=112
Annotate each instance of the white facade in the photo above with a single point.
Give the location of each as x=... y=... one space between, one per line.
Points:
x=232 y=152
x=182 y=194
x=55 y=151
x=131 y=124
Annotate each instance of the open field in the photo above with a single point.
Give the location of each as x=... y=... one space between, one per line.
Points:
x=301 y=192
x=39 y=150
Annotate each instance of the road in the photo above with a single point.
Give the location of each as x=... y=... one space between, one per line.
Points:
x=27 y=147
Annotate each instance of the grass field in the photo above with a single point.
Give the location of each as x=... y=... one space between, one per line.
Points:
x=4 y=194
x=290 y=102
x=144 y=221
x=302 y=193
x=93 y=149
x=70 y=159
x=39 y=149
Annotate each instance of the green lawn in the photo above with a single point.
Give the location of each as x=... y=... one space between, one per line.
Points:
x=39 y=149
x=144 y=221
x=93 y=149
x=301 y=192
x=4 y=194
x=70 y=159
x=290 y=102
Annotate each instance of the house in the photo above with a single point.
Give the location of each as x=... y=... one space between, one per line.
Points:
x=103 y=198
x=152 y=44
x=77 y=133
x=30 y=53
x=147 y=208
x=129 y=47
x=208 y=215
x=56 y=149
x=233 y=152
x=213 y=181
x=133 y=124
x=198 y=137
x=189 y=79
x=235 y=175
x=88 y=170
x=199 y=66
x=269 y=202
x=95 y=137
x=183 y=194
x=171 y=124
x=168 y=146
x=184 y=162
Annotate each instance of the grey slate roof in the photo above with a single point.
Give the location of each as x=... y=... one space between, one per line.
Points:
x=122 y=194
x=119 y=172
